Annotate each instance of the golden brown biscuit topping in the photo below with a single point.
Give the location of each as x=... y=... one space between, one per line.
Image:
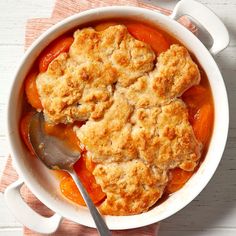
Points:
x=137 y=126
x=79 y=85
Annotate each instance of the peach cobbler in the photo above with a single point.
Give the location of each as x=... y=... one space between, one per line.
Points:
x=134 y=101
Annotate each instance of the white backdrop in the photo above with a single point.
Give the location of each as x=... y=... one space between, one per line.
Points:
x=214 y=211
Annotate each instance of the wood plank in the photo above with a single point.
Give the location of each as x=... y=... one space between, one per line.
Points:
x=208 y=232
x=11 y=232
x=227 y=3
x=14 y=14
x=9 y=60
x=213 y=232
x=7 y=220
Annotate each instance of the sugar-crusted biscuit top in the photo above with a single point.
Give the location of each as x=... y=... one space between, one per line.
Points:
x=137 y=126
x=79 y=85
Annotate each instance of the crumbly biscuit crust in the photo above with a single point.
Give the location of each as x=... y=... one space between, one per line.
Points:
x=137 y=126
x=79 y=85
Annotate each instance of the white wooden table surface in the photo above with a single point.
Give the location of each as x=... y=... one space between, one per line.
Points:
x=213 y=212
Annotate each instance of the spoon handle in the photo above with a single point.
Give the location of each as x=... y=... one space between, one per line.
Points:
x=99 y=222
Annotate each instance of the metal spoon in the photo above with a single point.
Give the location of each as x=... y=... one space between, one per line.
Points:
x=56 y=155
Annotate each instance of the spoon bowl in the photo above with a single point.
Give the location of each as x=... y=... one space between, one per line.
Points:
x=53 y=152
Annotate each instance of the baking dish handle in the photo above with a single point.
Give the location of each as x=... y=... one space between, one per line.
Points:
x=26 y=215
x=208 y=19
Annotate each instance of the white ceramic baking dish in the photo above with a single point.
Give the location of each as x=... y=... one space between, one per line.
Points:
x=42 y=182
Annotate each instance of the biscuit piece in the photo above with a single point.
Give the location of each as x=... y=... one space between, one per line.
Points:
x=109 y=139
x=131 y=187
x=79 y=85
x=164 y=137
x=175 y=73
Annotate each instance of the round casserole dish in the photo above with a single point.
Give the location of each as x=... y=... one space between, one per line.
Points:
x=43 y=184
